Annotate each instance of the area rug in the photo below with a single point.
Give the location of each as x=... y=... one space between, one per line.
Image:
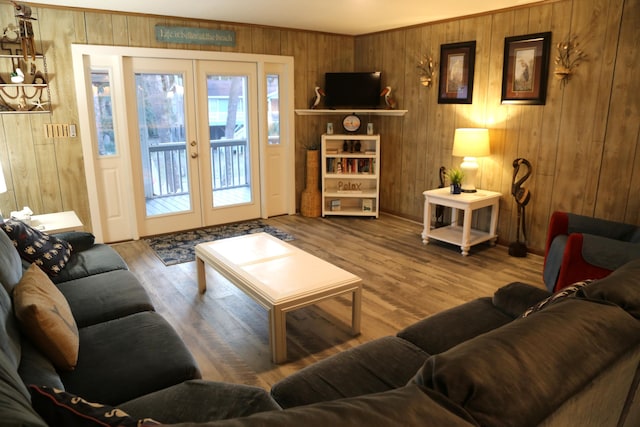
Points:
x=176 y=248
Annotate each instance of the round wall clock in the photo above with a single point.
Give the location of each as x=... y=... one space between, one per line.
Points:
x=351 y=123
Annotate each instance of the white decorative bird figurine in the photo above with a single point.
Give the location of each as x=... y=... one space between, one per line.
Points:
x=315 y=101
x=391 y=103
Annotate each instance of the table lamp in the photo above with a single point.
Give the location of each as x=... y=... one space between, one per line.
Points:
x=470 y=143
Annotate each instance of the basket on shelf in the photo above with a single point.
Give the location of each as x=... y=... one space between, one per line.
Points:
x=311 y=200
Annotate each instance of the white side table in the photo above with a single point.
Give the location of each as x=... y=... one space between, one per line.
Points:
x=464 y=236
x=57 y=222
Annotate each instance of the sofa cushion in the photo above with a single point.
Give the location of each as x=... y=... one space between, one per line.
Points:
x=105 y=296
x=620 y=288
x=489 y=374
x=15 y=403
x=553 y=260
x=405 y=406
x=201 y=401
x=46 y=318
x=59 y=408
x=128 y=357
x=566 y=292
x=97 y=259
x=48 y=252
x=36 y=368
x=516 y=297
x=376 y=366
x=10 y=340
x=10 y=263
x=448 y=328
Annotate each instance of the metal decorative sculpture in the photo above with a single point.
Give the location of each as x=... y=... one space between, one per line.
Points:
x=440 y=209
x=522 y=197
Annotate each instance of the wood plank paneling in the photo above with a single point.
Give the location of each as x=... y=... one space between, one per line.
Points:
x=578 y=143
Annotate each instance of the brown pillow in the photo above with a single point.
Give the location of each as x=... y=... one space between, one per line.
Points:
x=45 y=317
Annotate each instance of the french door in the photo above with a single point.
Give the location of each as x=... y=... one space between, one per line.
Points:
x=174 y=139
x=194 y=148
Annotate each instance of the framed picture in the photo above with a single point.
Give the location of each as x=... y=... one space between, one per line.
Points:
x=457 y=62
x=526 y=69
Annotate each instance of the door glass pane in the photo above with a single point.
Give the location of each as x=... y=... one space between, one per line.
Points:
x=161 y=122
x=103 y=112
x=273 y=108
x=229 y=139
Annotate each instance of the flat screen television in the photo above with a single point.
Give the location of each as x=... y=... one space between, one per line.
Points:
x=358 y=90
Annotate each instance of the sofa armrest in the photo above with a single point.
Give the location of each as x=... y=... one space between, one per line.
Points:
x=599 y=227
x=558 y=224
x=79 y=240
x=589 y=256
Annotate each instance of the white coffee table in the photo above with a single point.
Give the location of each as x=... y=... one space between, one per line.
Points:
x=279 y=277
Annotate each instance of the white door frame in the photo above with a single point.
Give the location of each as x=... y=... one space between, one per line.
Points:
x=82 y=54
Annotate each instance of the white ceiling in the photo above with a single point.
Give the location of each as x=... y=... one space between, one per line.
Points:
x=352 y=17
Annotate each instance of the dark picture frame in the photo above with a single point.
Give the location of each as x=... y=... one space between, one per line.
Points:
x=457 y=62
x=525 y=71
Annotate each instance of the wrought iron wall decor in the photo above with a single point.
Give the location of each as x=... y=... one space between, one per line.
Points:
x=24 y=82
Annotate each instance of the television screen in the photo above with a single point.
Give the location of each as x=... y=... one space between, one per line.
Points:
x=352 y=90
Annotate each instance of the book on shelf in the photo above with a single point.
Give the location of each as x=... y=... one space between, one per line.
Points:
x=339 y=165
x=367 y=205
x=335 y=205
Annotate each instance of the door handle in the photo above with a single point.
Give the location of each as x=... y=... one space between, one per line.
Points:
x=194 y=155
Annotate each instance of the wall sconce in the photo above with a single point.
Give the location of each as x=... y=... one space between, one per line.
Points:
x=470 y=143
x=568 y=58
x=426 y=66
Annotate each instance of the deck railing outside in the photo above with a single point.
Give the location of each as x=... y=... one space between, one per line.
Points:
x=168 y=167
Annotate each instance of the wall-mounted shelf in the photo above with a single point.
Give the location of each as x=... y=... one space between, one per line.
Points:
x=308 y=112
x=30 y=96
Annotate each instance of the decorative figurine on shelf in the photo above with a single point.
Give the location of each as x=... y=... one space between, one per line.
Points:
x=315 y=101
x=23 y=13
x=388 y=100
x=17 y=76
x=522 y=197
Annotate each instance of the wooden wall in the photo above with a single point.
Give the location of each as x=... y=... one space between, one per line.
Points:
x=48 y=174
x=582 y=143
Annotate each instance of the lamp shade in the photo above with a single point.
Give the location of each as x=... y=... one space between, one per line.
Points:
x=471 y=142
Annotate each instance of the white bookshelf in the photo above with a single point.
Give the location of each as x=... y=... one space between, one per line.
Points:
x=350 y=174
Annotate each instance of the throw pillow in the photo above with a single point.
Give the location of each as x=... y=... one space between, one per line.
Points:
x=50 y=253
x=565 y=292
x=59 y=408
x=45 y=317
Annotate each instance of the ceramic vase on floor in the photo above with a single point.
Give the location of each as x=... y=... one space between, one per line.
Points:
x=311 y=200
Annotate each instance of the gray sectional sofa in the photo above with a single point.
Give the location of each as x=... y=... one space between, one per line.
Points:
x=128 y=353
x=574 y=360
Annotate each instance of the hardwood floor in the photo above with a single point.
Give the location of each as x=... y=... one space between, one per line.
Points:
x=404 y=281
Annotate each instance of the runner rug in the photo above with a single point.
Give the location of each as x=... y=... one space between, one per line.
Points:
x=176 y=248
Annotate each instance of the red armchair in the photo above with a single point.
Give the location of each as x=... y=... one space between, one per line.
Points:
x=581 y=247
